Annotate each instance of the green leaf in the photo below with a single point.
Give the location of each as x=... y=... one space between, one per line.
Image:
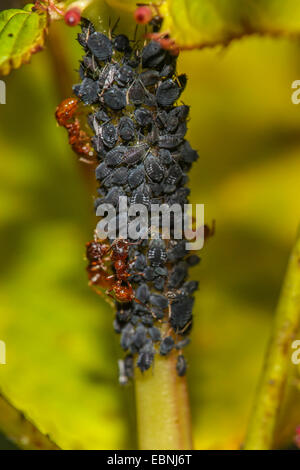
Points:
x=201 y=23
x=22 y=33
x=21 y=431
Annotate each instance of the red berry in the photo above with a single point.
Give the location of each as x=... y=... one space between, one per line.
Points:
x=72 y=17
x=143 y=15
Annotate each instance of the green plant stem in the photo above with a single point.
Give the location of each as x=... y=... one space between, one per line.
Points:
x=163 y=413
x=271 y=388
x=19 y=430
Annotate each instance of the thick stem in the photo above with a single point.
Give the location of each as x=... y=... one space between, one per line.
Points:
x=21 y=431
x=163 y=413
x=274 y=375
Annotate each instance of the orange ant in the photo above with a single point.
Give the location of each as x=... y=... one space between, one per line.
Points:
x=66 y=110
x=78 y=139
x=96 y=252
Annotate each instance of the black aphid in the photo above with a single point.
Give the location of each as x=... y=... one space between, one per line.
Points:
x=165 y=157
x=172 y=122
x=101 y=116
x=166 y=345
x=127 y=336
x=162 y=119
x=182 y=80
x=87 y=28
x=100 y=45
x=167 y=70
x=121 y=43
x=102 y=171
x=187 y=153
x=147 y=319
x=87 y=91
x=149 y=77
x=181 y=314
x=153 y=168
x=193 y=260
x=140 y=263
x=140 y=197
x=136 y=93
x=139 y=338
x=177 y=251
x=153 y=135
x=181 y=112
x=181 y=365
x=109 y=135
x=157 y=254
x=178 y=275
x=115 y=156
x=126 y=128
x=190 y=287
x=170 y=141
x=143 y=293
x=167 y=93
x=113 y=196
x=136 y=177
x=181 y=129
x=153 y=55
x=159 y=301
x=145 y=360
x=134 y=154
x=181 y=197
x=125 y=75
x=124 y=314
x=119 y=176
x=150 y=100
x=174 y=174
x=159 y=283
x=143 y=117
x=114 y=98
x=155 y=334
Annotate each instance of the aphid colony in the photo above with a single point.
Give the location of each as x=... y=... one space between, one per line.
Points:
x=131 y=89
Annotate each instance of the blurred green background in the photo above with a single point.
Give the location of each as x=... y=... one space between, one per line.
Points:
x=61 y=350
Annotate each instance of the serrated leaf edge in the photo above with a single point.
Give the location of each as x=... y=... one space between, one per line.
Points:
x=15 y=62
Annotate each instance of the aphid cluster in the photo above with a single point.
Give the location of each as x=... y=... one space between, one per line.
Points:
x=139 y=139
